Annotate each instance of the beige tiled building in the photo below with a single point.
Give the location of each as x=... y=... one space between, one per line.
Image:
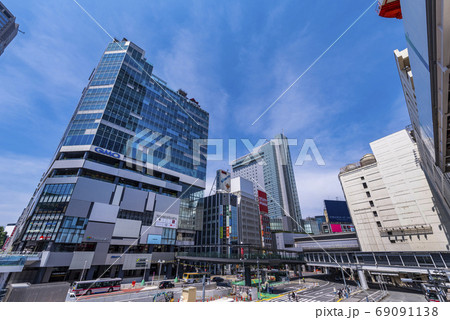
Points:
x=390 y=200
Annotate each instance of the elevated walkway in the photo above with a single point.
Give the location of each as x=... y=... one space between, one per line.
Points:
x=383 y=262
x=16 y=261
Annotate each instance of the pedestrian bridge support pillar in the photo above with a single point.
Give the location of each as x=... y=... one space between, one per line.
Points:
x=362 y=279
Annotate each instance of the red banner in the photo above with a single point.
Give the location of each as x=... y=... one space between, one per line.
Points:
x=262 y=199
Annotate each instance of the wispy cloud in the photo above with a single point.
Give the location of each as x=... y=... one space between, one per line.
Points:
x=20 y=176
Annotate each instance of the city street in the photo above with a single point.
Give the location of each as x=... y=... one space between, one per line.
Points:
x=323 y=292
x=148 y=294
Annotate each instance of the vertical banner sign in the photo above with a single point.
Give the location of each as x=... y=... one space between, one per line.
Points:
x=262 y=199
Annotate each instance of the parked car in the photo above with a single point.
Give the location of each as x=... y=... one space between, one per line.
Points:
x=166 y=284
x=218 y=279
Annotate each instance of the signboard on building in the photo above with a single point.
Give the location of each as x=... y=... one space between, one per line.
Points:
x=141 y=262
x=167 y=223
x=337 y=211
x=262 y=200
x=153 y=239
x=223 y=180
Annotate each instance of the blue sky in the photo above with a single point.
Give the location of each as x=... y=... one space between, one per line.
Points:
x=234 y=57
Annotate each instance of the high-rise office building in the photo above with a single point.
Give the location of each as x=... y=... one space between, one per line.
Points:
x=8 y=27
x=424 y=74
x=269 y=167
x=390 y=201
x=122 y=186
x=231 y=218
x=220 y=224
x=248 y=212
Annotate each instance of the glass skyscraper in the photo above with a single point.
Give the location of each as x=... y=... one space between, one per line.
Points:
x=270 y=169
x=123 y=185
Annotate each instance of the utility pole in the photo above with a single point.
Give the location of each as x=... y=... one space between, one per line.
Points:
x=259 y=279
x=204 y=284
x=143 y=276
x=82 y=273
x=160 y=265
x=343 y=277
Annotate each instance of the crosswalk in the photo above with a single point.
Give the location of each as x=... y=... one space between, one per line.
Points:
x=299 y=299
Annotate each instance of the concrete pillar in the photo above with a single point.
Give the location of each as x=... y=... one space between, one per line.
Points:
x=300 y=270
x=119 y=272
x=47 y=275
x=147 y=274
x=362 y=279
x=168 y=271
x=39 y=276
x=248 y=276
x=90 y=273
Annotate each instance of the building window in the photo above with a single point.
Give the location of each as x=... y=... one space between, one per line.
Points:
x=365 y=185
x=375 y=214
x=392 y=241
x=368 y=194
x=371 y=204
x=378 y=224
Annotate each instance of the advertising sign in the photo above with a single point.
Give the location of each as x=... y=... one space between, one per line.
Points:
x=262 y=199
x=337 y=211
x=153 y=239
x=336 y=228
x=141 y=262
x=223 y=180
x=167 y=223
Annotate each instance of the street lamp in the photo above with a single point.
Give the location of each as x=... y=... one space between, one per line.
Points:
x=160 y=265
x=145 y=269
x=259 y=279
x=84 y=268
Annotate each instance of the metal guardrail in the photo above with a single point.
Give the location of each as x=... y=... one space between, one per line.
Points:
x=21 y=254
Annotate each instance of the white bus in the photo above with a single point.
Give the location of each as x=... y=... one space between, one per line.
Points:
x=89 y=287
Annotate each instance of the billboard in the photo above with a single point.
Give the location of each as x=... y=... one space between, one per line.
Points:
x=337 y=211
x=154 y=239
x=167 y=223
x=223 y=180
x=262 y=200
x=336 y=228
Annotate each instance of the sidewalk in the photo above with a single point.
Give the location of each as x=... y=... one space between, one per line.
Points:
x=370 y=295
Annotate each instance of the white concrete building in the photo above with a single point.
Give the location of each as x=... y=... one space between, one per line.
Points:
x=248 y=212
x=390 y=200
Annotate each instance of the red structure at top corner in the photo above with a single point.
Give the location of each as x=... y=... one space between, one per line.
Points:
x=389 y=9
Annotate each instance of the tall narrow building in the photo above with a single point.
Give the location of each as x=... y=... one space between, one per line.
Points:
x=8 y=27
x=424 y=74
x=122 y=186
x=269 y=167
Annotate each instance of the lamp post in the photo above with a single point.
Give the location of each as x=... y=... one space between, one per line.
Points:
x=259 y=279
x=84 y=268
x=160 y=265
x=143 y=276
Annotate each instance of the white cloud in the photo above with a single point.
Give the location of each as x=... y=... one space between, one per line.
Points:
x=20 y=176
x=316 y=184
